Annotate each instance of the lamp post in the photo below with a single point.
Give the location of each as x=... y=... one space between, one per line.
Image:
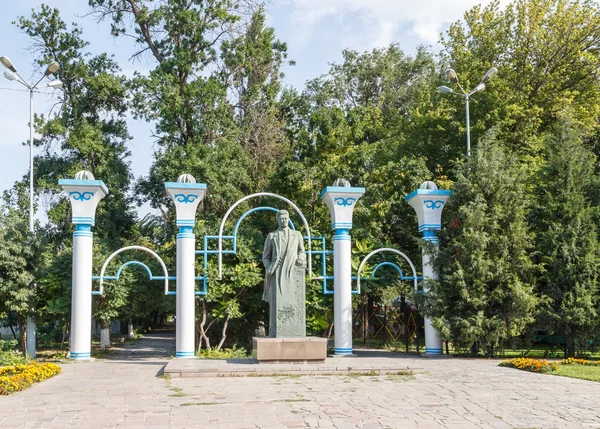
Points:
x=453 y=77
x=14 y=75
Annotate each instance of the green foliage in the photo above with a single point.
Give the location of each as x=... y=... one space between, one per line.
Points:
x=567 y=246
x=485 y=292
x=214 y=353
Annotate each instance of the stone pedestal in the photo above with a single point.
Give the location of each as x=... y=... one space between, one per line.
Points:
x=287 y=311
x=290 y=350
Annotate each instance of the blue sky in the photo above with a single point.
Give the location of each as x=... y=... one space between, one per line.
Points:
x=316 y=32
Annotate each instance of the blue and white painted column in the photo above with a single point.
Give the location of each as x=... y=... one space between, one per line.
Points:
x=428 y=201
x=186 y=195
x=84 y=193
x=341 y=201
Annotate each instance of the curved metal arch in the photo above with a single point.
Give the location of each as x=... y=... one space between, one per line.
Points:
x=145 y=249
x=387 y=264
x=385 y=249
x=249 y=212
x=262 y=194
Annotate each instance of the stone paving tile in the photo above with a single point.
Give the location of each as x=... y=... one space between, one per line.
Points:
x=125 y=392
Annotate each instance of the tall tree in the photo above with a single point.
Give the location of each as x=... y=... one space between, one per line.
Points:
x=89 y=133
x=565 y=216
x=546 y=54
x=485 y=292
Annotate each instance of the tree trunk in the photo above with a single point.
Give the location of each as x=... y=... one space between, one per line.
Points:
x=22 y=334
x=130 y=334
x=224 y=332
x=104 y=334
x=202 y=330
x=64 y=335
x=10 y=325
x=329 y=331
x=570 y=346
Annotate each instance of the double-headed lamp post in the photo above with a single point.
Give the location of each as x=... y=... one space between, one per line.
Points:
x=453 y=77
x=14 y=75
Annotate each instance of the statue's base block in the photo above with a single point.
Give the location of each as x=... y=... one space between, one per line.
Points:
x=290 y=350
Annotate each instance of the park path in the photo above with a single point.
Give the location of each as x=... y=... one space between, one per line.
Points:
x=155 y=345
x=127 y=391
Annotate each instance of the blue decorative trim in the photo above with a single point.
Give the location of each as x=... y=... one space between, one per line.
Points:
x=172 y=292
x=344 y=225
x=343 y=351
x=80 y=355
x=83 y=227
x=430 y=204
x=186 y=229
x=86 y=183
x=344 y=202
x=341 y=238
x=83 y=234
x=81 y=196
x=186 y=222
x=185 y=235
x=428 y=192
x=430 y=226
x=433 y=351
x=186 y=199
x=179 y=185
x=349 y=190
x=184 y=354
x=341 y=231
x=86 y=220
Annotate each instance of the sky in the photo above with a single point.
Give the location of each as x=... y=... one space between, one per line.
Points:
x=316 y=32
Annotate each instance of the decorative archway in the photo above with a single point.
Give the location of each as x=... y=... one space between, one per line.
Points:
x=262 y=194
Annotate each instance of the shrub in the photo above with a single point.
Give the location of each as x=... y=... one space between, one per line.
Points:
x=213 y=353
x=19 y=377
x=532 y=365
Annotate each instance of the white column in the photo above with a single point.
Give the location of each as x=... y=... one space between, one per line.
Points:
x=341 y=201
x=342 y=297
x=84 y=193
x=433 y=341
x=81 y=294
x=186 y=308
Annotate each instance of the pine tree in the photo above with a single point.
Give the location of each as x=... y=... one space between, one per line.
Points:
x=567 y=239
x=485 y=292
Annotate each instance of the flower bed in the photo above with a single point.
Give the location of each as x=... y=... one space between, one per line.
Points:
x=19 y=377
x=573 y=361
x=532 y=365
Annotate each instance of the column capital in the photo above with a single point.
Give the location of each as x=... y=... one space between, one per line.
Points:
x=341 y=201
x=84 y=194
x=428 y=201
x=186 y=194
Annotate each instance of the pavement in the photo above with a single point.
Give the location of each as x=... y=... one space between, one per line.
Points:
x=130 y=390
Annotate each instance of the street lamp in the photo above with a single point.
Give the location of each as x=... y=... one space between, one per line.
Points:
x=453 y=77
x=14 y=75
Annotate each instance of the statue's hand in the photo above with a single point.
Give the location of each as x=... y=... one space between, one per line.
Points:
x=301 y=261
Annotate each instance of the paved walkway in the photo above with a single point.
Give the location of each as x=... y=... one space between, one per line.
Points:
x=125 y=392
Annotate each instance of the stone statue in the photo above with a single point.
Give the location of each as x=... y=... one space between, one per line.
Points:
x=285 y=276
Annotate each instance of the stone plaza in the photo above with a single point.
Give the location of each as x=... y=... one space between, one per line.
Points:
x=129 y=390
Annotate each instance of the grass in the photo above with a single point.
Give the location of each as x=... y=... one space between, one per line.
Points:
x=583 y=372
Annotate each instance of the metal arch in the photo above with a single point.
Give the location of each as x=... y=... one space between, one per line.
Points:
x=262 y=194
x=388 y=264
x=245 y=215
x=385 y=249
x=145 y=249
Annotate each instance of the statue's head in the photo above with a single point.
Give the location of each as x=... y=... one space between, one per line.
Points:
x=282 y=218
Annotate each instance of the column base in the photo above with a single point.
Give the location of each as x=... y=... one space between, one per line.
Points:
x=185 y=355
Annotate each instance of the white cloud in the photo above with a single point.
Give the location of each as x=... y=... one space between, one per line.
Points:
x=380 y=20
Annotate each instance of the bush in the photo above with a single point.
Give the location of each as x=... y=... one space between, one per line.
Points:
x=213 y=353
x=532 y=365
x=19 y=377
